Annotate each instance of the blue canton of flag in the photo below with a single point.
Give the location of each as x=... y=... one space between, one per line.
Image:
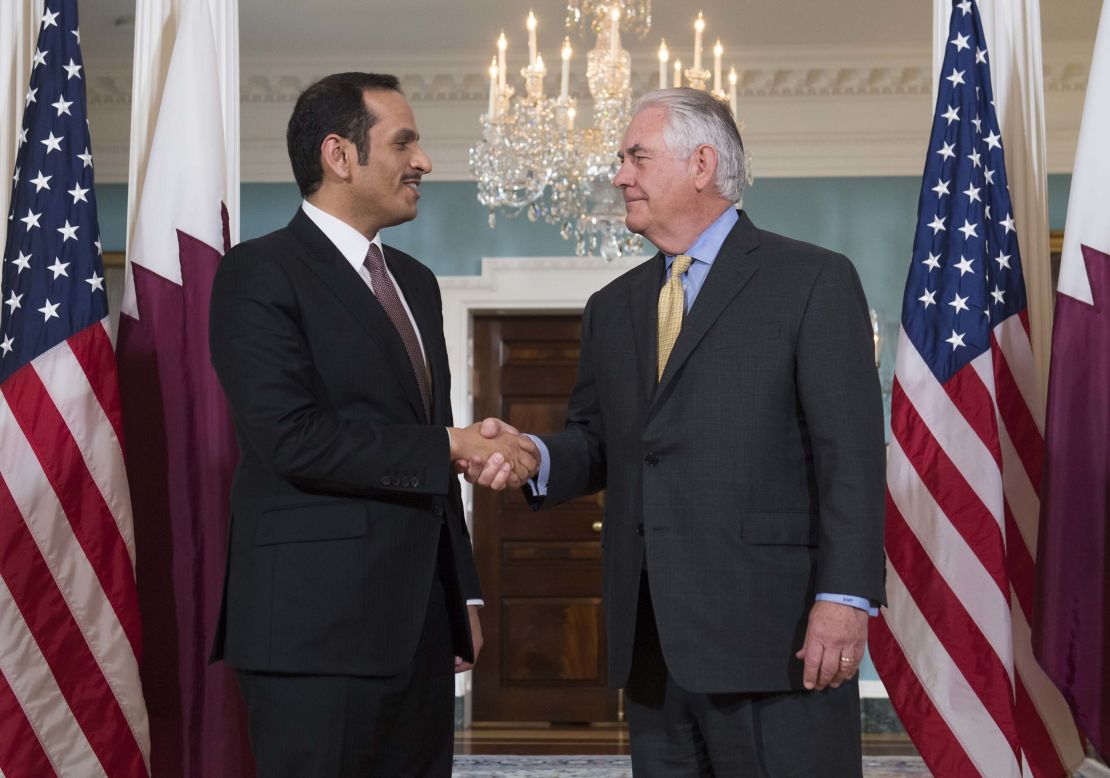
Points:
x=965 y=276
x=53 y=275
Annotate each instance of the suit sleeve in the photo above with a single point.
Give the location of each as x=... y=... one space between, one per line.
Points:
x=578 y=452
x=838 y=388
x=264 y=363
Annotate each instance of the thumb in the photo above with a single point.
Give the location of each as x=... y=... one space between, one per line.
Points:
x=491 y=428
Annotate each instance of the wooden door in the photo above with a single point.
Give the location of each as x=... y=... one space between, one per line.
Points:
x=544 y=657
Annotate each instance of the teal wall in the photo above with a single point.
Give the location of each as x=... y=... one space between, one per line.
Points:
x=869 y=219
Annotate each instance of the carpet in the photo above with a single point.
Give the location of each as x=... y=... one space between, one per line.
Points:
x=619 y=767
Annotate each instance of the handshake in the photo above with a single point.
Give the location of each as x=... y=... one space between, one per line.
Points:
x=494 y=454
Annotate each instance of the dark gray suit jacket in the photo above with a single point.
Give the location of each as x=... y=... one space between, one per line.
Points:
x=750 y=477
x=343 y=484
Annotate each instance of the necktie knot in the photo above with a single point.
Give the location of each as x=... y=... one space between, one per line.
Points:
x=374 y=261
x=681 y=264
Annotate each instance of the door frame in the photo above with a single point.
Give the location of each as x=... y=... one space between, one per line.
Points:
x=519 y=285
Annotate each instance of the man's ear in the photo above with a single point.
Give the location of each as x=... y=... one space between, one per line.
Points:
x=335 y=157
x=704 y=160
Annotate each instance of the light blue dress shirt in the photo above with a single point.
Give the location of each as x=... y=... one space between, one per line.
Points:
x=704 y=251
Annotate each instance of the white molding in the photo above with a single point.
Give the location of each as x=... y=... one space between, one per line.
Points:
x=872 y=690
x=1092 y=768
x=809 y=111
x=459 y=77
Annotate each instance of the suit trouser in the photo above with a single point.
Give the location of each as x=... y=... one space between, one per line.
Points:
x=335 y=726
x=676 y=733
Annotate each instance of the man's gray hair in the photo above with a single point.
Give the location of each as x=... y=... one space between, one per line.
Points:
x=696 y=118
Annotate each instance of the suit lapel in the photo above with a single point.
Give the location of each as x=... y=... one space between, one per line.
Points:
x=729 y=274
x=644 y=305
x=336 y=273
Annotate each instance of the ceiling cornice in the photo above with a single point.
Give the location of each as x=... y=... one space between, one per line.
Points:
x=821 y=111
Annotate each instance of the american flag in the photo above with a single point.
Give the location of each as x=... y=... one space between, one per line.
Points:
x=964 y=463
x=70 y=699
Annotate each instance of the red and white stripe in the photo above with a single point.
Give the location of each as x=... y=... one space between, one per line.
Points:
x=70 y=696
x=953 y=646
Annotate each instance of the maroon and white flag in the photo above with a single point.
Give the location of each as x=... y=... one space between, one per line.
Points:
x=182 y=447
x=1071 y=621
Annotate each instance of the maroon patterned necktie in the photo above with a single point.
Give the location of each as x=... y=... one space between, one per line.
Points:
x=387 y=295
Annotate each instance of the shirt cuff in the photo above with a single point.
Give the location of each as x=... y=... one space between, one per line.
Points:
x=479 y=603
x=539 y=483
x=862 y=603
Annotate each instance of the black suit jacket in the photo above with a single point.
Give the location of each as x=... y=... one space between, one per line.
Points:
x=750 y=477
x=343 y=484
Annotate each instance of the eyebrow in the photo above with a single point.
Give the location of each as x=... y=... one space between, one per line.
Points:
x=632 y=150
x=405 y=135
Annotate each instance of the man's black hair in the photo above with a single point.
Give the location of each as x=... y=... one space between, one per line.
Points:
x=334 y=104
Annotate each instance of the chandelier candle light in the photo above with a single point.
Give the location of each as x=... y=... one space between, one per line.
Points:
x=664 y=55
x=533 y=160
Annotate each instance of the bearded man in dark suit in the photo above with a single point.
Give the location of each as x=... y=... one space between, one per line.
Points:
x=740 y=444
x=350 y=568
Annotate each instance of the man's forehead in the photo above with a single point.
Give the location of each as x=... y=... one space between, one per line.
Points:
x=645 y=131
x=389 y=104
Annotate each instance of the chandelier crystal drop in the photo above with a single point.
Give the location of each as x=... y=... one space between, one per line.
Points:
x=635 y=16
x=533 y=159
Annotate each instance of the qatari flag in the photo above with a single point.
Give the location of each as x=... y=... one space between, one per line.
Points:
x=181 y=444
x=1071 y=621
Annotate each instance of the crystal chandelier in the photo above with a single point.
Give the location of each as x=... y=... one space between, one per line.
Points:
x=532 y=158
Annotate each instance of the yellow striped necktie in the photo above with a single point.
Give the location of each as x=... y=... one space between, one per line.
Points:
x=672 y=305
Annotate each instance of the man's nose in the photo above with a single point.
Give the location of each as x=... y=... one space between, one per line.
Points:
x=623 y=178
x=421 y=161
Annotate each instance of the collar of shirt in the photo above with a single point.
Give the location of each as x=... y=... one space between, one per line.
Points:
x=351 y=243
x=704 y=251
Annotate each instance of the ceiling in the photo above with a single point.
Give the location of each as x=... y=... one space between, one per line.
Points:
x=394 y=29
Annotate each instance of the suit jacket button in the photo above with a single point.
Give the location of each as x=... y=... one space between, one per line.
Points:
x=652 y=459
x=640 y=528
x=387 y=481
x=405 y=481
x=437 y=510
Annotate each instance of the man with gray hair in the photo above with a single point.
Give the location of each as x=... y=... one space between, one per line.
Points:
x=740 y=444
